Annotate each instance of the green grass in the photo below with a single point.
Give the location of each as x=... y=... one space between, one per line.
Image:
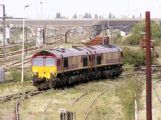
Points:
x=109 y=106
x=128 y=91
x=15 y=87
x=7 y=110
x=115 y=103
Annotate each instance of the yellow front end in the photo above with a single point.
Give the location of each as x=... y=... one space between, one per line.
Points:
x=44 y=72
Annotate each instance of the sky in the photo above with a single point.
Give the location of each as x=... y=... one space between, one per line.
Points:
x=49 y=8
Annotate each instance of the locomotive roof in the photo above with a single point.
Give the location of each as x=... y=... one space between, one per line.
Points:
x=61 y=52
x=75 y=51
x=98 y=49
x=64 y=52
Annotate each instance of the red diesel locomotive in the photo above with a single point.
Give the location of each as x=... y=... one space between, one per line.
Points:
x=60 y=67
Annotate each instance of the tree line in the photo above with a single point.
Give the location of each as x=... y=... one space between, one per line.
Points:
x=85 y=16
x=90 y=16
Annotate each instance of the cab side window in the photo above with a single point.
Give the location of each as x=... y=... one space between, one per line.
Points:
x=65 y=62
x=121 y=54
x=99 y=60
x=85 y=61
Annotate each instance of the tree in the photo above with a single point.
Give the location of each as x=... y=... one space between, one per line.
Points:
x=58 y=15
x=100 y=17
x=133 y=16
x=87 y=15
x=140 y=16
x=139 y=28
x=135 y=57
x=113 y=16
x=110 y=15
x=63 y=17
x=96 y=16
x=75 y=16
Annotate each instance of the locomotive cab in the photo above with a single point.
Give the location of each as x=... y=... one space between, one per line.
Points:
x=44 y=66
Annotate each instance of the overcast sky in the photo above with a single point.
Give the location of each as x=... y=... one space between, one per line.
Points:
x=68 y=7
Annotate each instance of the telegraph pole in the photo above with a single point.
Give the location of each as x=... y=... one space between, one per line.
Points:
x=4 y=31
x=148 y=69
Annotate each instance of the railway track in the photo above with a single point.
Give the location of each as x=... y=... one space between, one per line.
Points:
x=76 y=100
x=28 y=49
x=23 y=95
x=154 y=68
x=142 y=71
x=16 y=63
x=19 y=97
x=103 y=91
x=16 y=44
x=86 y=93
x=19 y=52
x=129 y=74
x=15 y=54
x=93 y=101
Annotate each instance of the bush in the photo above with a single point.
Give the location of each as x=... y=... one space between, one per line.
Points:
x=27 y=76
x=139 y=29
x=16 y=75
x=128 y=67
x=128 y=91
x=133 y=57
x=132 y=40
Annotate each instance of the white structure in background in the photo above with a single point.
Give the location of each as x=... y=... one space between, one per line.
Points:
x=1 y=39
x=80 y=31
x=7 y=34
x=2 y=75
x=39 y=39
x=122 y=33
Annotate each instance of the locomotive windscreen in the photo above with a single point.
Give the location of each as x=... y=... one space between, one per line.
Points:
x=50 y=61
x=38 y=61
x=44 y=61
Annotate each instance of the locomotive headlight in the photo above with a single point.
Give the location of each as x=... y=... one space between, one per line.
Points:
x=52 y=72
x=35 y=73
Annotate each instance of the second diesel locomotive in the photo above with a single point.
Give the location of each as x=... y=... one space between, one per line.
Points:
x=60 y=67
